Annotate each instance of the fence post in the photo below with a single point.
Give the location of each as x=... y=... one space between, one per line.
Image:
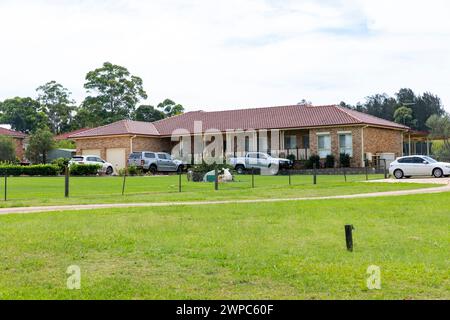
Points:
x=385 y=169
x=216 y=179
x=345 y=174
x=314 y=173
x=349 y=237
x=366 y=162
x=289 y=173
x=6 y=186
x=179 y=181
x=66 y=182
x=253 y=177
x=124 y=180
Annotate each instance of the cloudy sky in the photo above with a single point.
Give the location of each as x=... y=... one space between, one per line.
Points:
x=215 y=55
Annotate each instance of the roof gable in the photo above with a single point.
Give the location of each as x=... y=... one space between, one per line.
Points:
x=12 y=133
x=123 y=127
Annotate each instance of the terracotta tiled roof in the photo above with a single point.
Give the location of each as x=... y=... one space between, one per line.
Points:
x=119 y=128
x=12 y=133
x=295 y=116
x=66 y=135
x=285 y=117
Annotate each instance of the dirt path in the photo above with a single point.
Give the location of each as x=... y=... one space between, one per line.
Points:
x=5 y=211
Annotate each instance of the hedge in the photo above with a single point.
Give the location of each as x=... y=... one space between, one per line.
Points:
x=84 y=169
x=35 y=170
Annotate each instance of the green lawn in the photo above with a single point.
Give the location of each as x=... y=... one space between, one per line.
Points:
x=26 y=191
x=293 y=250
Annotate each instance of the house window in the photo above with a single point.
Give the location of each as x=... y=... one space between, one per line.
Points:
x=290 y=142
x=324 y=145
x=305 y=142
x=346 y=143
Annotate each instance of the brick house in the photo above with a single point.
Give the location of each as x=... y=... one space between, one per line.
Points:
x=301 y=132
x=18 y=139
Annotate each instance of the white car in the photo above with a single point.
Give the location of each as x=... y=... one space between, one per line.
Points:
x=406 y=167
x=259 y=160
x=106 y=167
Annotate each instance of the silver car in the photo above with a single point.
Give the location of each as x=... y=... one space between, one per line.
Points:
x=155 y=162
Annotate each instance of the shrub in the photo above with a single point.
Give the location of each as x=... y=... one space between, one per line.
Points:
x=344 y=160
x=61 y=163
x=204 y=167
x=36 y=170
x=84 y=169
x=329 y=161
x=291 y=157
x=313 y=159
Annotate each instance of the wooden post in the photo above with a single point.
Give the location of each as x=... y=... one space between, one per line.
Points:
x=66 y=182
x=179 y=181
x=367 y=169
x=349 y=237
x=216 y=179
x=253 y=177
x=345 y=174
x=6 y=186
x=314 y=173
x=289 y=173
x=124 y=180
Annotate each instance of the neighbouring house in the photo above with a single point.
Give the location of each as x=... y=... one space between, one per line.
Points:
x=19 y=141
x=302 y=131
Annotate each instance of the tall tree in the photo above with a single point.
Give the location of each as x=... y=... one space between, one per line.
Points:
x=170 y=108
x=7 y=149
x=40 y=143
x=380 y=105
x=404 y=115
x=440 y=129
x=57 y=105
x=425 y=106
x=114 y=93
x=148 y=114
x=23 y=114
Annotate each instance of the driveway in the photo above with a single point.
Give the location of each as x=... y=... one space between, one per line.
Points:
x=440 y=189
x=416 y=180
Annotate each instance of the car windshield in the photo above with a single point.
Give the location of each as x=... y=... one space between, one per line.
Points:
x=430 y=160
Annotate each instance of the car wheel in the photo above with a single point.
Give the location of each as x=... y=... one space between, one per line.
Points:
x=438 y=173
x=109 y=171
x=240 y=169
x=153 y=169
x=398 y=174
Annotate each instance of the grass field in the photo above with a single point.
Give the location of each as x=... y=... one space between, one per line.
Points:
x=292 y=250
x=26 y=191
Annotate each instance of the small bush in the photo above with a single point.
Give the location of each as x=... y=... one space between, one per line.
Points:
x=84 y=169
x=36 y=170
x=291 y=157
x=61 y=163
x=313 y=159
x=329 y=161
x=344 y=160
x=204 y=167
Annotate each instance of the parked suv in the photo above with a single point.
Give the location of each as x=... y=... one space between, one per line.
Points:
x=155 y=161
x=106 y=167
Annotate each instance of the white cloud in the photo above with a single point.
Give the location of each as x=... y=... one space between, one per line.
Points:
x=235 y=53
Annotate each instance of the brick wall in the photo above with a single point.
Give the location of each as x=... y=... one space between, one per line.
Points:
x=20 y=153
x=139 y=144
x=377 y=140
x=356 y=137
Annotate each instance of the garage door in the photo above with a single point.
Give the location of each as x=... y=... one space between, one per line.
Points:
x=92 y=152
x=116 y=156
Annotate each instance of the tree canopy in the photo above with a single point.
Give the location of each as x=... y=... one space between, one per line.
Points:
x=56 y=103
x=40 y=143
x=23 y=114
x=7 y=149
x=114 y=94
x=405 y=108
x=170 y=108
x=148 y=114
